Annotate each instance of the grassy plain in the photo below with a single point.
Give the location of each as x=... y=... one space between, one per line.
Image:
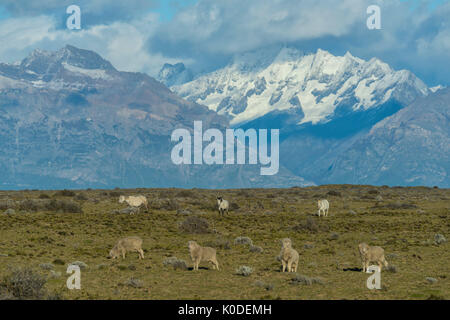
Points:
x=404 y=221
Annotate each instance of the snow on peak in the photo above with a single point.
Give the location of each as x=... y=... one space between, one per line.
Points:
x=64 y=68
x=42 y=62
x=173 y=74
x=81 y=58
x=316 y=84
x=91 y=73
x=437 y=88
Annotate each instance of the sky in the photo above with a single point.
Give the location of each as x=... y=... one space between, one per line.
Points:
x=142 y=35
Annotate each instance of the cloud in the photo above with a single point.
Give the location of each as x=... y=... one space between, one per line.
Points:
x=205 y=34
x=212 y=31
x=122 y=43
x=234 y=26
x=20 y=33
x=93 y=11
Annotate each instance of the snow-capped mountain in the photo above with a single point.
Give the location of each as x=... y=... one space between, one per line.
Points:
x=310 y=88
x=68 y=68
x=174 y=74
x=71 y=120
x=342 y=119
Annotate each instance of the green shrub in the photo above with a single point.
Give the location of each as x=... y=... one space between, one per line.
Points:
x=65 y=193
x=59 y=262
x=175 y=263
x=243 y=241
x=81 y=197
x=302 y=279
x=219 y=244
x=244 y=271
x=195 y=224
x=186 y=194
x=23 y=284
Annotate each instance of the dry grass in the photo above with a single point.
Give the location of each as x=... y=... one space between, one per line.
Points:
x=404 y=223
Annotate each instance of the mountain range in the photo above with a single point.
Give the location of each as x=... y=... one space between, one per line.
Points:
x=71 y=120
x=334 y=113
x=311 y=88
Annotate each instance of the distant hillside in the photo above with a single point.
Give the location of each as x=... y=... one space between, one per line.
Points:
x=71 y=120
